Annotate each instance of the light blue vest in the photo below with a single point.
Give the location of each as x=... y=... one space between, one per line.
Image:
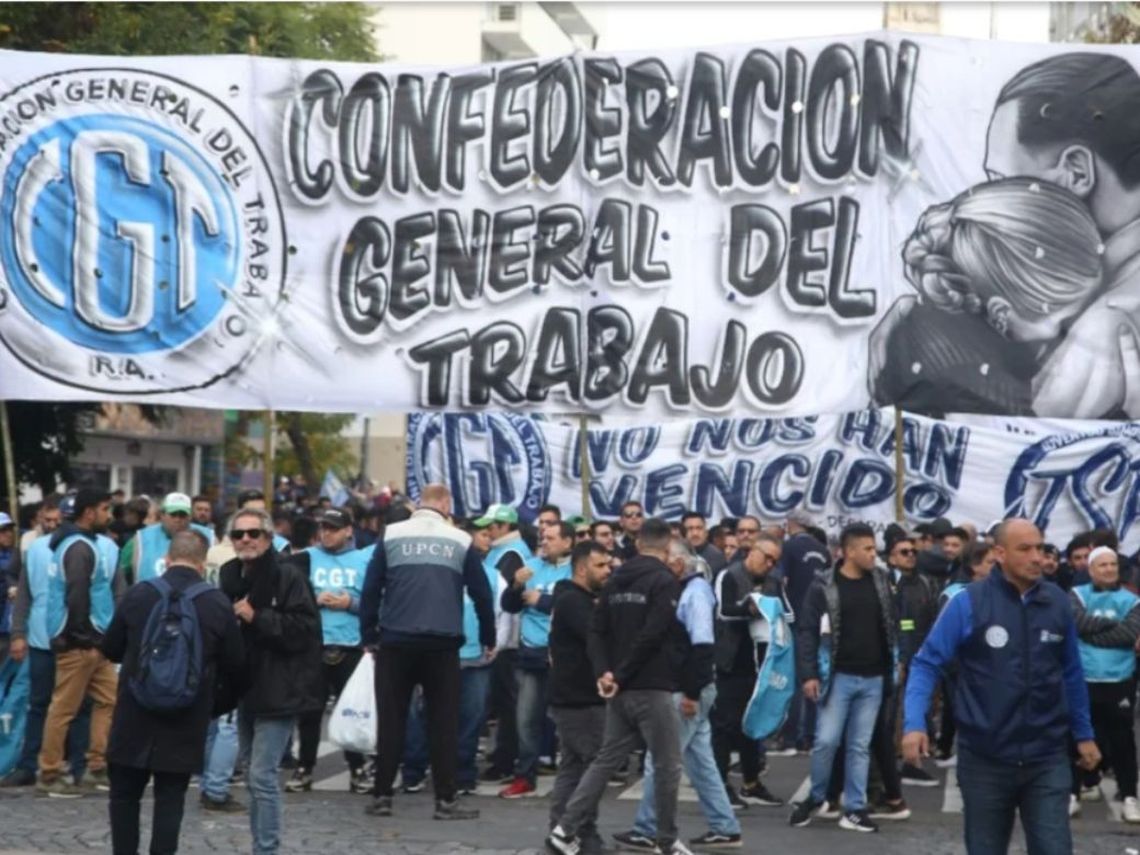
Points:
x=152 y=545
x=339 y=573
x=776 y=675
x=472 y=649
x=37 y=568
x=536 y=624
x=280 y=542
x=102 y=596
x=516 y=545
x=1106 y=664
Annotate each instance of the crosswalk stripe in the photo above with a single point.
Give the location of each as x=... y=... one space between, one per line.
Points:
x=1115 y=808
x=633 y=793
x=952 y=796
x=802 y=791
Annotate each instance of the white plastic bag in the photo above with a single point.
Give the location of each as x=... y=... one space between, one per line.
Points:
x=353 y=722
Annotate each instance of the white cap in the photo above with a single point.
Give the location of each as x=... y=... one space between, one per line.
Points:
x=5 y=520
x=1099 y=551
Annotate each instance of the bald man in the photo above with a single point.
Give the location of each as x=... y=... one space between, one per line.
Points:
x=1020 y=698
x=411 y=613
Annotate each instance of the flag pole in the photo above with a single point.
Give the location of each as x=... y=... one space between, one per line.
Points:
x=899 y=467
x=267 y=456
x=584 y=460
x=9 y=463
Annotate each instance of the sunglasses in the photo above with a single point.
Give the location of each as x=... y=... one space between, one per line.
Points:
x=769 y=557
x=180 y=514
x=242 y=533
x=905 y=552
x=631 y=514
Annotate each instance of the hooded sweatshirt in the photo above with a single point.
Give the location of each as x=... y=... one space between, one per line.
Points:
x=635 y=633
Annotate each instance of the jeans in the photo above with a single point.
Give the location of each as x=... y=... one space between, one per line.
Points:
x=127 y=787
x=221 y=754
x=849 y=711
x=993 y=792
x=531 y=716
x=41 y=683
x=883 y=780
x=733 y=691
x=504 y=703
x=266 y=738
x=580 y=729
x=698 y=763
x=634 y=716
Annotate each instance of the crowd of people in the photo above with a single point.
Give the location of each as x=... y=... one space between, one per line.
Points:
x=165 y=643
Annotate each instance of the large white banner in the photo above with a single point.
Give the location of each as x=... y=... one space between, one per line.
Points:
x=839 y=468
x=741 y=230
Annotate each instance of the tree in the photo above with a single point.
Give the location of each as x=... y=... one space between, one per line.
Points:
x=46 y=435
x=1121 y=27
x=315 y=446
x=340 y=31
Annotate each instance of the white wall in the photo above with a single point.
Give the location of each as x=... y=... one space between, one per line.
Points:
x=636 y=26
x=431 y=33
x=112 y=451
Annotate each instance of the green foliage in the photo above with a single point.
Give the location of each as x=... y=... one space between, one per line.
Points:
x=46 y=435
x=1122 y=28
x=315 y=446
x=339 y=31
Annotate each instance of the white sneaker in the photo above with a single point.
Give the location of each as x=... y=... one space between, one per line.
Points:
x=1074 y=807
x=1090 y=794
x=1131 y=812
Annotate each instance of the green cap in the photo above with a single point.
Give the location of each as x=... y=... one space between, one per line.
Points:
x=498 y=514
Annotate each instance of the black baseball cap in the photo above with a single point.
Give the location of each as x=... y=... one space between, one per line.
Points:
x=335 y=517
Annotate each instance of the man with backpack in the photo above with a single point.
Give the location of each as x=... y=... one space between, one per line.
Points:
x=177 y=640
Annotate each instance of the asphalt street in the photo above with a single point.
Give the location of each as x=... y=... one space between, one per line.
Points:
x=331 y=821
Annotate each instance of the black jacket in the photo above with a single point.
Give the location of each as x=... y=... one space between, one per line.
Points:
x=572 y=682
x=171 y=742
x=734 y=650
x=283 y=642
x=823 y=599
x=916 y=602
x=635 y=632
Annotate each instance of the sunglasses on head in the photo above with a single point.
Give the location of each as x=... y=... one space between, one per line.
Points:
x=242 y=533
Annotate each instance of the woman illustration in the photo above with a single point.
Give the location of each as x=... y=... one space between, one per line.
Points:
x=1001 y=272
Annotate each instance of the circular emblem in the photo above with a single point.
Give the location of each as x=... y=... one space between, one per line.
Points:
x=997 y=637
x=142 y=248
x=483 y=458
x=1078 y=481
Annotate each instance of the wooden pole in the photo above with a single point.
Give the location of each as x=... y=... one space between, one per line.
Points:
x=267 y=456
x=9 y=464
x=584 y=460
x=899 y=467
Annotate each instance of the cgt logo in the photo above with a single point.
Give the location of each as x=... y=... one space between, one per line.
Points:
x=1075 y=482
x=515 y=454
x=142 y=248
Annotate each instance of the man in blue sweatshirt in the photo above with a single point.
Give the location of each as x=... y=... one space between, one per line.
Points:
x=1020 y=694
x=532 y=595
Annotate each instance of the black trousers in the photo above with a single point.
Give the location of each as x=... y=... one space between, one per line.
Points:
x=398 y=671
x=504 y=699
x=733 y=692
x=127 y=787
x=336 y=674
x=1112 y=722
